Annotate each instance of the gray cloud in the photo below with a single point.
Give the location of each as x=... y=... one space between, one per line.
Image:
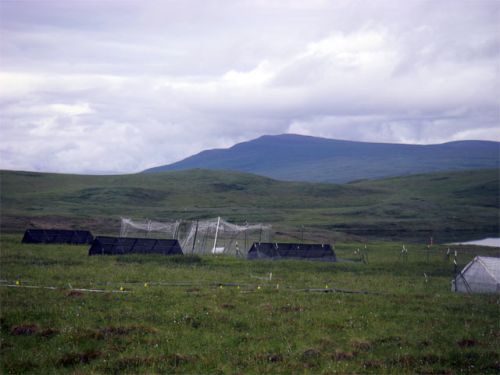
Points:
x=106 y=87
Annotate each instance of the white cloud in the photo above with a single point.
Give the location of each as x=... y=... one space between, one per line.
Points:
x=71 y=109
x=140 y=85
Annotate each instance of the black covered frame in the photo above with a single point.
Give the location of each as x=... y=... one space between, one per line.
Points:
x=57 y=236
x=277 y=250
x=104 y=245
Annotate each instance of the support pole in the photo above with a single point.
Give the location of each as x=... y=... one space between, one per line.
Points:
x=245 y=240
x=194 y=240
x=216 y=233
x=455 y=273
x=178 y=234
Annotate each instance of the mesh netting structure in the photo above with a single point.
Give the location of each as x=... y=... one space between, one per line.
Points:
x=481 y=275
x=208 y=236
x=144 y=228
x=217 y=236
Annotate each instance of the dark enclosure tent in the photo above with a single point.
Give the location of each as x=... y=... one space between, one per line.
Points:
x=125 y=245
x=63 y=236
x=274 y=250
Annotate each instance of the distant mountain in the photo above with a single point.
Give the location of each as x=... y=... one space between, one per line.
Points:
x=292 y=157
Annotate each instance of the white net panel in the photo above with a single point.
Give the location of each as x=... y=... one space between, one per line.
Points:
x=217 y=236
x=147 y=228
x=210 y=236
x=482 y=275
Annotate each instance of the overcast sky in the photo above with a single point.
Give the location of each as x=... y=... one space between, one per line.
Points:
x=120 y=86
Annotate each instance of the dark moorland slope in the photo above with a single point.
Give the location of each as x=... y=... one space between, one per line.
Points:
x=452 y=205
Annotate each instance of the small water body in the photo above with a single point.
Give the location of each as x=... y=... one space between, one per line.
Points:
x=491 y=241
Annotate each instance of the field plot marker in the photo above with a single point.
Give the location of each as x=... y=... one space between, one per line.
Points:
x=404 y=254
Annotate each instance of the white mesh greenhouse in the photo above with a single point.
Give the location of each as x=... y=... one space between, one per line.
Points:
x=217 y=236
x=481 y=275
x=208 y=236
x=144 y=228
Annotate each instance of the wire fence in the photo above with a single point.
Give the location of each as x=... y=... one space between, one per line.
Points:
x=130 y=287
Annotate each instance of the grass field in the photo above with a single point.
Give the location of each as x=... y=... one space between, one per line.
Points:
x=221 y=314
x=224 y=315
x=448 y=206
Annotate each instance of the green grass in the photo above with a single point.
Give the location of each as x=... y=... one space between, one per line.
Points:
x=184 y=322
x=448 y=206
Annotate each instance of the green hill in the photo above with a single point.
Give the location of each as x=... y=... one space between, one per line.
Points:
x=449 y=206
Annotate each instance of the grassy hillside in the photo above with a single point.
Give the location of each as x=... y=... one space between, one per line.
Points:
x=212 y=315
x=450 y=206
x=292 y=157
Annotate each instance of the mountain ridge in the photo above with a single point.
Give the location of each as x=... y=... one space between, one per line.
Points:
x=292 y=157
